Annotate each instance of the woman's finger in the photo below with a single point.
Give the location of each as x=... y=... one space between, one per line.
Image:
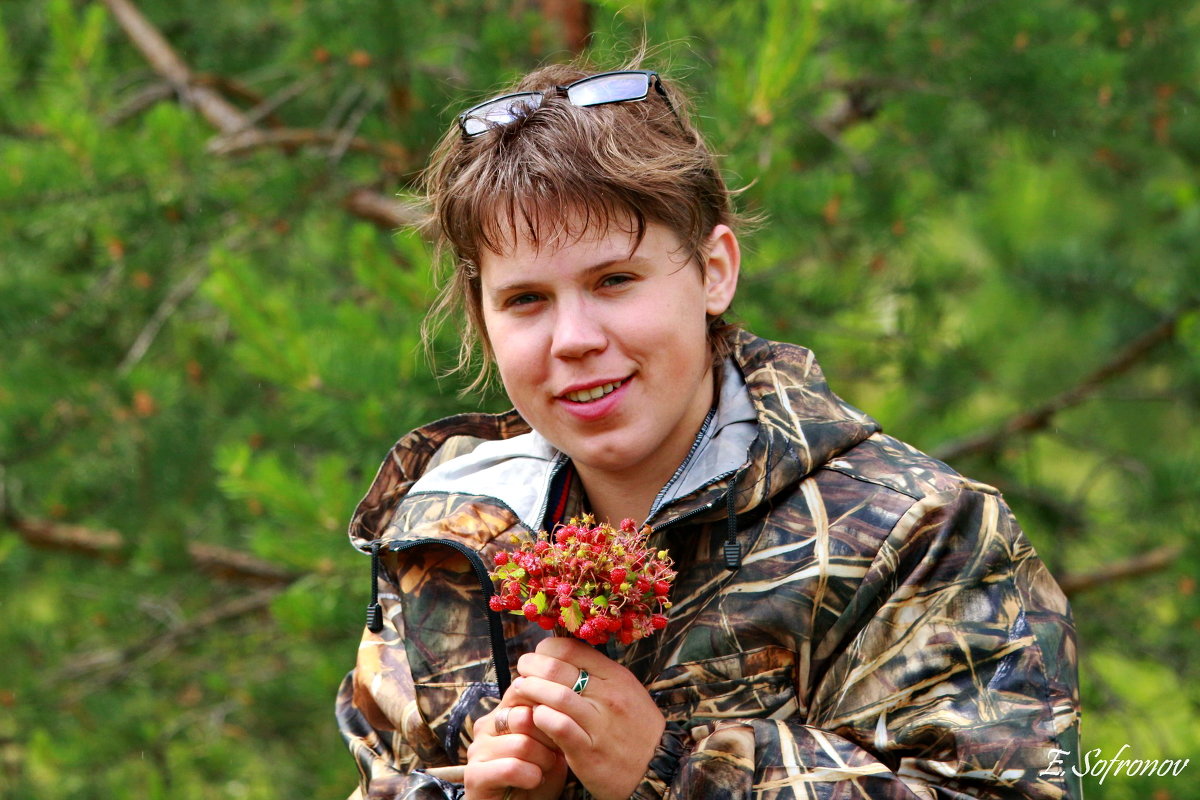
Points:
x=552 y=669
x=533 y=691
x=518 y=746
x=518 y=717
x=607 y=730
x=574 y=651
x=494 y=776
x=561 y=728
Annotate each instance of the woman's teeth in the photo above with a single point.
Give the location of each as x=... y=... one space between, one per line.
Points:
x=596 y=392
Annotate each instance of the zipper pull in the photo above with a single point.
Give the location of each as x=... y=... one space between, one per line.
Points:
x=374 y=610
x=733 y=550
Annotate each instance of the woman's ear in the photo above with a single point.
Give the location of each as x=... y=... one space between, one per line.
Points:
x=722 y=261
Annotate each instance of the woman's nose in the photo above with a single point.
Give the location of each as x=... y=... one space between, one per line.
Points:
x=577 y=331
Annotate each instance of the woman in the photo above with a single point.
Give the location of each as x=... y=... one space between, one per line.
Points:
x=851 y=617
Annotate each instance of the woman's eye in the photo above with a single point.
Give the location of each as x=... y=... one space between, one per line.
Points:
x=522 y=300
x=615 y=280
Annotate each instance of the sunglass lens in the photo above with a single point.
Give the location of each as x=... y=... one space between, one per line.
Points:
x=501 y=111
x=609 y=89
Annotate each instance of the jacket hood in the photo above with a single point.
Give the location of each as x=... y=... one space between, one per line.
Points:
x=801 y=425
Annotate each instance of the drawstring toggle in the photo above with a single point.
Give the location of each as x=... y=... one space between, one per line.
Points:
x=374 y=610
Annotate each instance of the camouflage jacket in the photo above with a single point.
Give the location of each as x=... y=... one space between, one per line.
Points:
x=886 y=630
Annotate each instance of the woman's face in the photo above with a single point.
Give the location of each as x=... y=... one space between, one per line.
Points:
x=603 y=348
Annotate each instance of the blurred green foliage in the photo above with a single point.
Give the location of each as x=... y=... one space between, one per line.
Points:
x=970 y=208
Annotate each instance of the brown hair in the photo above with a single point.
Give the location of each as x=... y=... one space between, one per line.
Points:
x=629 y=163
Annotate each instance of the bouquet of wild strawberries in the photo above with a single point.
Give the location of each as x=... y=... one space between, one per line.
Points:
x=594 y=581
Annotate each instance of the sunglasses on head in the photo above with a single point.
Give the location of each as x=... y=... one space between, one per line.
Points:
x=624 y=86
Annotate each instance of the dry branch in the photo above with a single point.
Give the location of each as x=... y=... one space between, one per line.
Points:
x=236 y=129
x=574 y=19
x=267 y=107
x=220 y=113
x=212 y=560
x=856 y=105
x=1158 y=559
x=170 y=303
x=1038 y=418
x=348 y=131
x=139 y=102
x=234 y=565
x=384 y=210
x=72 y=538
x=245 y=141
x=104 y=666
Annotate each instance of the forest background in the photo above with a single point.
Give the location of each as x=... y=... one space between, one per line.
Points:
x=982 y=216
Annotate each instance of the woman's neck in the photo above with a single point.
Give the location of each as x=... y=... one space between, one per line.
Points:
x=613 y=499
x=630 y=494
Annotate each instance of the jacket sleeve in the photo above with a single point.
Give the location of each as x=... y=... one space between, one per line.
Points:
x=377 y=716
x=950 y=673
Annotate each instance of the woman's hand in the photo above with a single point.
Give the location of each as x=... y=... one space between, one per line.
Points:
x=510 y=752
x=608 y=732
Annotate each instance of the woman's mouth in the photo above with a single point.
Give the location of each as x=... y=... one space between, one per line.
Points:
x=594 y=393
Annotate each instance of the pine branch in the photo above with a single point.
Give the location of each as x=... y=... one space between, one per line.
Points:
x=1157 y=559
x=217 y=562
x=1039 y=417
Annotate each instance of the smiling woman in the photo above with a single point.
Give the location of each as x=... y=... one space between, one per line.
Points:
x=600 y=343
x=850 y=617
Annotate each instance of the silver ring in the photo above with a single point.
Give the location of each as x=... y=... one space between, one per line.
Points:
x=581 y=682
x=501 y=721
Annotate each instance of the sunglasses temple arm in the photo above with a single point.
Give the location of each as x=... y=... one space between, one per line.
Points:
x=658 y=87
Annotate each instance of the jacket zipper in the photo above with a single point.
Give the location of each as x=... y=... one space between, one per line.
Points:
x=709 y=506
x=540 y=521
x=732 y=550
x=687 y=460
x=495 y=625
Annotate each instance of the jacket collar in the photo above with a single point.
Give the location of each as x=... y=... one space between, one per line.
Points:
x=799 y=425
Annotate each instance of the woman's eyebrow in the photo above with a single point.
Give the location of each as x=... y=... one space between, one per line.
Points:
x=601 y=266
